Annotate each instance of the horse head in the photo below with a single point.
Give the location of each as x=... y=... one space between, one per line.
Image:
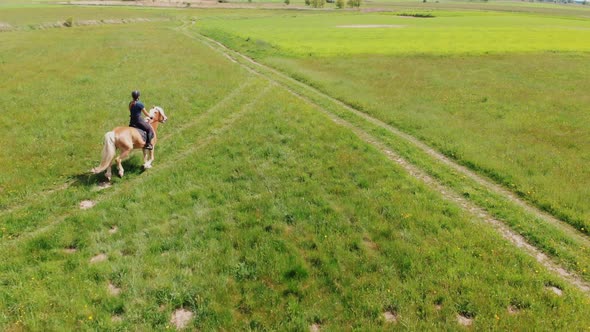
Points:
x=157 y=114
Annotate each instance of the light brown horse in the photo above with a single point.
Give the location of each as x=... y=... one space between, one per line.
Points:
x=126 y=139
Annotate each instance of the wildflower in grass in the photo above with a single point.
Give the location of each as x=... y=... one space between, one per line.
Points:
x=90 y=317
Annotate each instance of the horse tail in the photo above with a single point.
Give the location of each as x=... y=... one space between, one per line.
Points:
x=108 y=152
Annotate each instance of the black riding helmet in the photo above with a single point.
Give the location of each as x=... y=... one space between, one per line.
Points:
x=135 y=94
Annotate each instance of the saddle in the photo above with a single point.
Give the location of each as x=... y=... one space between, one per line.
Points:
x=143 y=134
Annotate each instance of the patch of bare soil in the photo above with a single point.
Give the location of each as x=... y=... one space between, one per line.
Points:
x=70 y=250
x=49 y=25
x=438 y=307
x=114 y=290
x=555 y=290
x=371 y=26
x=464 y=320
x=288 y=229
x=116 y=319
x=390 y=317
x=113 y=230
x=87 y=204
x=112 y=21
x=315 y=327
x=376 y=10
x=512 y=310
x=370 y=244
x=98 y=258
x=5 y=27
x=103 y=185
x=180 y=318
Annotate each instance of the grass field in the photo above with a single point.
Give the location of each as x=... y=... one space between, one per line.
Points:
x=514 y=115
x=451 y=33
x=263 y=213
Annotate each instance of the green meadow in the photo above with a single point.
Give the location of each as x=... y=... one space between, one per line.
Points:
x=500 y=93
x=261 y=211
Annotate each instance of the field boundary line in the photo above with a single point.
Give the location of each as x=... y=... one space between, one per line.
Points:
x=478 y=178
x=48 y=192
x=472 y=208
x=78 y=23
x=226 y=123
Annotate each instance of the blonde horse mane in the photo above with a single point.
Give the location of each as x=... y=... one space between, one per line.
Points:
x=159 y=109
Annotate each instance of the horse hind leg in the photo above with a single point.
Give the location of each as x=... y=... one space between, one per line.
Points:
x=109 y=173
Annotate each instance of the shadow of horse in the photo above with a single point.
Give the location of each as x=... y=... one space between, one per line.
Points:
x=132 y=167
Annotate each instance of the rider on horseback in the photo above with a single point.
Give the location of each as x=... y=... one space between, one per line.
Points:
x=136 y=108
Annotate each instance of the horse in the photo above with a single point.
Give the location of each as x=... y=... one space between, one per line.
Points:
x=126 y=139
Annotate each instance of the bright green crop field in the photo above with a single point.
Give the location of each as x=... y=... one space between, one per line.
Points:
x=448 y=33
x=264 y=210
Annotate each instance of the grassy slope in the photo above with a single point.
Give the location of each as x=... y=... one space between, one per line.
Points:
x=514 y=117
x=259 y=212
x=275 y=218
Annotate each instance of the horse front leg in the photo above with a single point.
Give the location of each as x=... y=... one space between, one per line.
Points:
x=148 y=158
x=145 y=158
x=119 y=159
